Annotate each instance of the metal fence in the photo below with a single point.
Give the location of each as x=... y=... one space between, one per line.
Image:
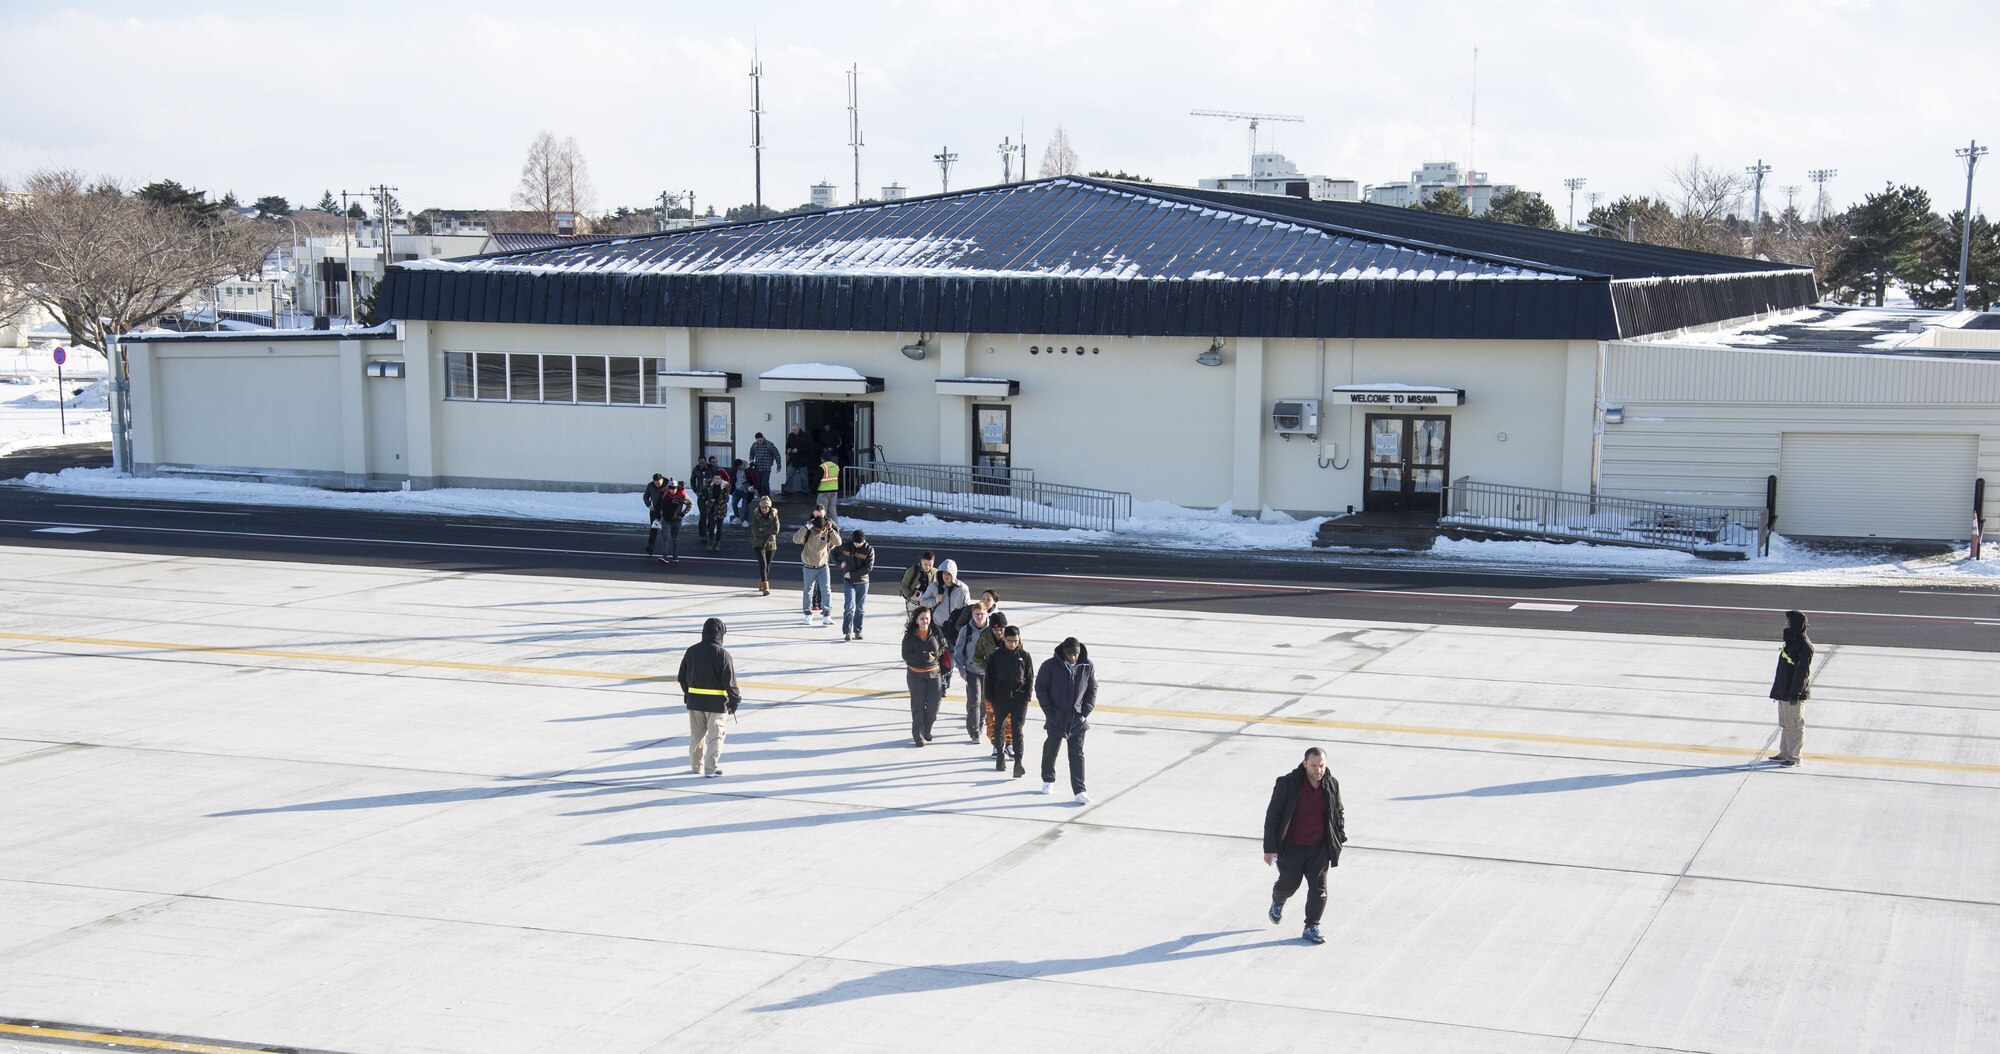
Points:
x=1709 y=529
x=998 y=495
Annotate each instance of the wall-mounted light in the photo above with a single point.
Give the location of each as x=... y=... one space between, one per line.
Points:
x=1213 y=356
x=914 y=351
x=1614 y=413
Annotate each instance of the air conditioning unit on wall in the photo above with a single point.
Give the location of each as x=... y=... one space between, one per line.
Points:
x=1290 y=417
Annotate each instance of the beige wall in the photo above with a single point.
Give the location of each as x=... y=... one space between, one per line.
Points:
x=216 y=403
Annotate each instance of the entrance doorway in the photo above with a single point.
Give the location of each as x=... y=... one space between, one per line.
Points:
x=992 y=448
x=1408 y=463
x=844 y=429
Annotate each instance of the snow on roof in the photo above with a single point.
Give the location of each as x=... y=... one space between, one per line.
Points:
x=812 y=371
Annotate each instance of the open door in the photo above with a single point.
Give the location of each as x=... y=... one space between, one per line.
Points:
x=865 y=449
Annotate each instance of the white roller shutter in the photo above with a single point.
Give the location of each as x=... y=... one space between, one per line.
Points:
x=1876 y=485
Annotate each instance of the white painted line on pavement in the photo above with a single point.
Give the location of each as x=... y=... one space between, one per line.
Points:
x=66 y=530
x=1949 y=593
x=1533 y=606
x=152 y=508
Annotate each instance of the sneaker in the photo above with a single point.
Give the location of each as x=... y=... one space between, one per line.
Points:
x=1789 y=762
x=1276 y=914
x=714 y=774
x=1082 y=798
x=826 y=620
x=1312 y=935
x=847 y=636
x=857 y=634
x=1048 y=787
x=809 y=620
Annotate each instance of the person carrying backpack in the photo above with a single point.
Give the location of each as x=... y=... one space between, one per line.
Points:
x=916 y=578
x=669 y=513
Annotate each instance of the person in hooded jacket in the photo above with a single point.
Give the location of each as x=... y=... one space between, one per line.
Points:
x=714 y=509
x=1304 y=828
x=1790 y=687
x=1066 y=689
x=671 y=510
x=982 y=648
x=921 y=647
x=1010 y=682
x=970 y=630
x=655 y=492
x=945 y=597
x=708 y=688
x=764 y=528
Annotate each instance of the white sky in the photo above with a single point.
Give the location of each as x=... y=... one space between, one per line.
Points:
x=442 y=98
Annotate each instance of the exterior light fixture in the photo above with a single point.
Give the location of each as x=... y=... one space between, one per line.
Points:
x=914 y=351
x=1213 y=356
x=1614 y=414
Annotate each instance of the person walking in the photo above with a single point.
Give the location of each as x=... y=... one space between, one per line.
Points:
x=1304 y=829
x=945 y=597
x=654 y=495
x=708 y=688
x=969 y=633
x=742 y=491
x=1010 y=683
x=1066 y=690
x=921 y=647
x=764 y=530
x=829 y=485
x=983 y=647
x=671 y=511
x=1790 y=687
x=855 y=559
x=714 y=509
x=765 y=459
x=817 y=539
x=916 y=578
x=799 y=453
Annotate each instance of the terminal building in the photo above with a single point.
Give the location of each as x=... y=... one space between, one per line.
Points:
x=1197 y=346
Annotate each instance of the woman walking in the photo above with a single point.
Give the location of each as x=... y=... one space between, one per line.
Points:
x=921 y=647
x=764 y=539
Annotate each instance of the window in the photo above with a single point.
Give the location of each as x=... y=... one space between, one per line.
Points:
x=626 y=388
x=491 y=375
x=524 y=378
x=458 y=375
x=655 y=395
x=590 y=379
x=558 y=379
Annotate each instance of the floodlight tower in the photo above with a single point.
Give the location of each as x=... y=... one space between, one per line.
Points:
x=1757 y=173
x=757 y=127
x=1574 y=183
x=944 y=158
x=1820 y=177
x=854 y=124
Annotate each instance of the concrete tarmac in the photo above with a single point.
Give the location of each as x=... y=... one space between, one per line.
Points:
x=383 y=809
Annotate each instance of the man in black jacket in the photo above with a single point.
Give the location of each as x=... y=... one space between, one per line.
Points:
x=654 y=494
x=1066 y=688
x=1303 y=832
x=708 y=687
x=1790 y=687
x=1010 y=680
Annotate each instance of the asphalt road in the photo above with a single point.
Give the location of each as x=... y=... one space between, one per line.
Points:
x=1307 y=585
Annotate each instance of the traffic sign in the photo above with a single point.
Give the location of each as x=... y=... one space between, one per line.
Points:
x=61 y=356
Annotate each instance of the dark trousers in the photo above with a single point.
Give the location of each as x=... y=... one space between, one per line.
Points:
x=1308 y=862
x=923 y=703
x=713 y=536
x=673 y=537
x=1049 y=747
x=1009 y=718
x=764 y=564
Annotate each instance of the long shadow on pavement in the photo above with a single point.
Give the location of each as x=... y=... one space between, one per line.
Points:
x=1577 y=783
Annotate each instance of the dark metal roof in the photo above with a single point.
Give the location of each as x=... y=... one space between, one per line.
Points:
x=1090 y=256
x=520 y=241
x=1853 y=331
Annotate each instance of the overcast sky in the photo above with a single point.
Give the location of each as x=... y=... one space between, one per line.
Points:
x=442 y=98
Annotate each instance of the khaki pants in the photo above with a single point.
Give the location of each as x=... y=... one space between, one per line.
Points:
x=705 y=732
x=1792 y=729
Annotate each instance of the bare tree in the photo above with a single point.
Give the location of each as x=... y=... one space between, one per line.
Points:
x=554 y=180
x=105 y=262
x=1704 y=202
x=1060 y=158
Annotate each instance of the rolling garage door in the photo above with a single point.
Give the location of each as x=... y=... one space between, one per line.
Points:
x=1876 y=485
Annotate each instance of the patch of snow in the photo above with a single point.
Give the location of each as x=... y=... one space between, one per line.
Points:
x=30 y=418
x=811 y=371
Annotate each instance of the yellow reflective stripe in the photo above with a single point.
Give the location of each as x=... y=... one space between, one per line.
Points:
x=706 y=691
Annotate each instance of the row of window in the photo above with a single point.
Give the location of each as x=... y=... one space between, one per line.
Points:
x=492 y=376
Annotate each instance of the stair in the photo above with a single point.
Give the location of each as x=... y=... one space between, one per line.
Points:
x=1390 y=531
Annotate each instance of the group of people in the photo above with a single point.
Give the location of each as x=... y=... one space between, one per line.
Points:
x=719 y=494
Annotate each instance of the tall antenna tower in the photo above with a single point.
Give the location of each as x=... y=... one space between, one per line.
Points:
x=944 y=158
x=854 y=124
x=1472 y=132
x=1820 y=176
x=1574 y=183
x=1253 y=118
x=1757 y=173
x=757 y=125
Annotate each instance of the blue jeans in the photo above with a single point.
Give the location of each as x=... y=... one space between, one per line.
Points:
x=822 y=578
x=854 y=597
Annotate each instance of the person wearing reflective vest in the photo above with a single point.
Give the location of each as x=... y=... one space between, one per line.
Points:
x=708 y=688
x=829 y=486
x=1791 y=686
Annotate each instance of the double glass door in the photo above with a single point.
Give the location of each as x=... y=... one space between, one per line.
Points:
x=1407 y=463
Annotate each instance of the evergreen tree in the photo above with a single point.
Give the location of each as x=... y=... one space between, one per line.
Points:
x=356 y=212
x=194 y=204
x=1446 y=202
x=229 y=200
x=328 y=204
x=1629 y=216
x=1890 y=236
x=1939 y=288
x=1523 y=207
x=273 y=205
x=1132 y=177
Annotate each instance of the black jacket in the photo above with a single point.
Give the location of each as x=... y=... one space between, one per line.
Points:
x=1067 y=698
x=655 y=493
x=708 y=674
x=922 y=652
x=855 y=560
x=1010 y=676
x=1791 y=683
x=1285 y=798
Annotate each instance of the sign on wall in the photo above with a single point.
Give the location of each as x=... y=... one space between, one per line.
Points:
x=1400 y=395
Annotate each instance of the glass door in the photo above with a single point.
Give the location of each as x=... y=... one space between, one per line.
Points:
x=718 y=430
x=1408 y=463
x=992 y=447
x=865 y=450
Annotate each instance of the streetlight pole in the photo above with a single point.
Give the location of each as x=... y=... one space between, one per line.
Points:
x=1574 y=183
x=1757 y=173
x=1972 y=153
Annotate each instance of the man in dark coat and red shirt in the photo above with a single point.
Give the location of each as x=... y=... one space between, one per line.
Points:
x=1304 y=829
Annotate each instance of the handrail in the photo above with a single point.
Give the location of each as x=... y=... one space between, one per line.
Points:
x=1532 y=511
x=999 y=495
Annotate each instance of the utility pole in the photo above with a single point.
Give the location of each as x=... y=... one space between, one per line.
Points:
x=1791 y=194
x=664 y=195
x=1972 y=153
x=347 y=253
x=854 y=124
x=944 y=158
x=1574 y=183
x=382 y=205
x=757 y=127
x=690 y=197
x=1007 y=160
x=1820 y=176
x=1757 y=173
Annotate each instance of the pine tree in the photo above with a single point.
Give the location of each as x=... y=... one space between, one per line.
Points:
x=1939 y=288
x=1523 y=207
x=1445 y=202
x=273 y=205
x=1890 y=235
x=1638 y=218
x=168 y=194
x=328 y=204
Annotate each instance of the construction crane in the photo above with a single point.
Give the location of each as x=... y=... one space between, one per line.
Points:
x=1253 y=118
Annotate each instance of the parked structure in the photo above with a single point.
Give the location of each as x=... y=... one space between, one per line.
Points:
x=1196 y=346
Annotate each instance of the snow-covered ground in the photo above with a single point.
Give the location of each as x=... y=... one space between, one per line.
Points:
x=1154 y=524
x=29 y=413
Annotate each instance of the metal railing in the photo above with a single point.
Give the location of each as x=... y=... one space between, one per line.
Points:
x=1010 y=495
x=1710 y=529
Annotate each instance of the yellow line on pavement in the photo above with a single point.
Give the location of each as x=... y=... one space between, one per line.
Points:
x=139 y=1042
x=1190 y=715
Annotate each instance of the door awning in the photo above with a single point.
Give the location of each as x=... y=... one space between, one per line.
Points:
x=1399 y=394
x=702 y=380
x=818 y=378
x=978 y=387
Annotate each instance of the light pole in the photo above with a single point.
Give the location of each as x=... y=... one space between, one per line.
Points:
x=1574 y=183
x=1757 y=173
x=1972 y=153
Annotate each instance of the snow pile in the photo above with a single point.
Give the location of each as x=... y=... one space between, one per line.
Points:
x=811 y=371
x=31 y=415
